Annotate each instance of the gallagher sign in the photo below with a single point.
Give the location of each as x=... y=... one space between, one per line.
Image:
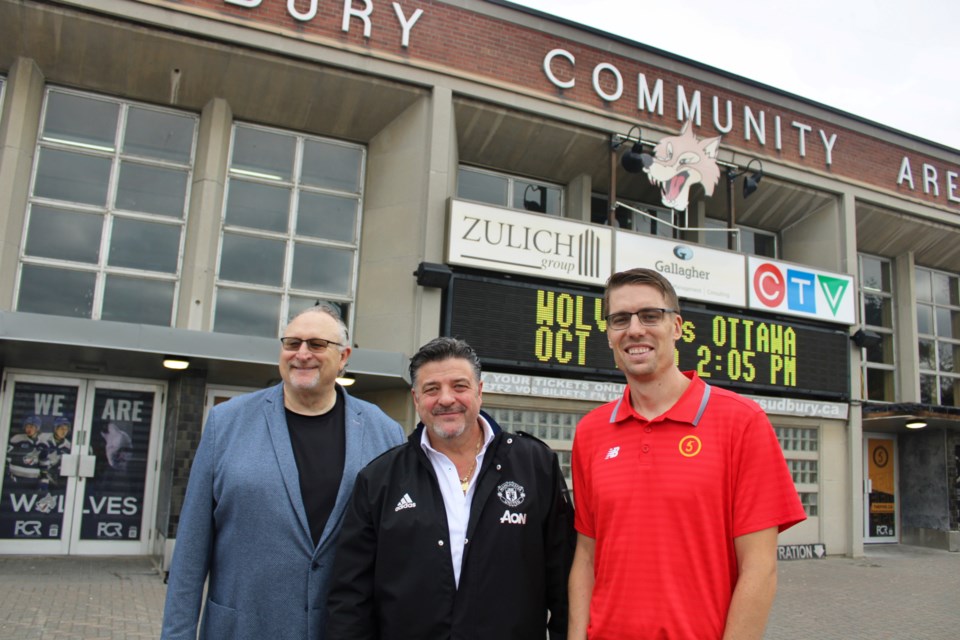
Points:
x=779 y=287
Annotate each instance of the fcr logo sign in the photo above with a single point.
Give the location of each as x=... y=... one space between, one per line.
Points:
x=109 y=529
x=27 y=528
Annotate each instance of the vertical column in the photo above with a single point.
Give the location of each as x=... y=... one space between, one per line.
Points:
x=848 y=263
x=198 y=275
x=19 y=127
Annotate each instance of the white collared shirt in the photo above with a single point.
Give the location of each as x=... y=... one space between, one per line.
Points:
x=455 y=502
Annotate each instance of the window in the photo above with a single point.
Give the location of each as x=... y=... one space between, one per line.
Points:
x=876 y=311
x=938 y=326
x=291 y=227
x=104 y=230
x=801 y=448
x=553 y=427
x=651 y=220
x=754 y=242
x=508 y=191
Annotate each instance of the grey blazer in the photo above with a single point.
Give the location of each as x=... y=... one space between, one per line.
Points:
x=243 y=523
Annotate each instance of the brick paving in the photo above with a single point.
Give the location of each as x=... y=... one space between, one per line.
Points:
x=895 y=592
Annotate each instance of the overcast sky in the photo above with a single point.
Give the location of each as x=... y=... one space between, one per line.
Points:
x=890 y=61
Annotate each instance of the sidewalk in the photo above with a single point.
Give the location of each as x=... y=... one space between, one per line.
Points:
x=894 y=593
x=80 y=598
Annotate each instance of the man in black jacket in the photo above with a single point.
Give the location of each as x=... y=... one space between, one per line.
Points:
x=465 y=532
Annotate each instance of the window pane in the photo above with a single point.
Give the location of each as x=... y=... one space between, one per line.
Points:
x=64 y=235
x=948 y=391
x=332 y=166
x=247 y=313
x=926 y=348
x=945 y=323
x=880 y=385
x=322 y=269
x=536 y=198
x=263 y=152
x=765 y=245
x=138 y=300
x=157 y=134
x=59 y=292
x=137 y=244
x=876 y=310
x=253 y=260
x=326 y=216
x=882 y=352
x=81 y=119
x=482 y=187
x=944 y=289
x=875 y=274
x=925 y=319
x=928 y=390
x=76 y=177
x=152 y=189
x=921 y=278
x=258 y=206
x=945 y=352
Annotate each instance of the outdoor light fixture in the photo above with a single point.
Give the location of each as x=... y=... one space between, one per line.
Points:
x=866 y=339
x=916 y=424
x=632 y=160
x=346 y=379
x=751 y=182
x=431 y=274
x=175 y=362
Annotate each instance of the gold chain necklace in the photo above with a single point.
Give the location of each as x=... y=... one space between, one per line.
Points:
x=465 y=480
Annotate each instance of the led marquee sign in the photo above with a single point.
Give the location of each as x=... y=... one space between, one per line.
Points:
x=561 y=331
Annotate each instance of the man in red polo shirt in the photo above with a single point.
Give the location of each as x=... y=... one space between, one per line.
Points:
x=680 y=491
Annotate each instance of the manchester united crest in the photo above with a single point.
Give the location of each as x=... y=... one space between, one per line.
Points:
x=511 y=494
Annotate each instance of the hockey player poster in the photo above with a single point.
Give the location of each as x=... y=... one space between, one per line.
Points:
x=120 y=441
x=40 y=432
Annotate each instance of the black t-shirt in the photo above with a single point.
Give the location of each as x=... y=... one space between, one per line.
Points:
x=319 y=447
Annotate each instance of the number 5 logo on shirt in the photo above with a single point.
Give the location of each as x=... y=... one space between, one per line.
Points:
x=690 y=446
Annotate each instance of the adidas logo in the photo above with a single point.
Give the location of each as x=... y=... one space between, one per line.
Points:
x=612 y=453
x=405 y=503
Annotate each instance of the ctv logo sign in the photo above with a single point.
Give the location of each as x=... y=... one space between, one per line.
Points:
x=801 y=291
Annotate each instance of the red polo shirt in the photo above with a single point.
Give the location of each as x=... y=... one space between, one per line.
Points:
x=664 y=500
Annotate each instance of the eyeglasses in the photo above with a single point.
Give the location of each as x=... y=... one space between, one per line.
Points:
x=315 y=345
x=649 y=317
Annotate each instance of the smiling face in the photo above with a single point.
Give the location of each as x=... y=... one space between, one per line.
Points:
x=447 y=396
x=643 y=353
x=308 y=373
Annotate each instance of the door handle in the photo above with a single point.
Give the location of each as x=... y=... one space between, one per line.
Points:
x=87 y=466
x=69 y=463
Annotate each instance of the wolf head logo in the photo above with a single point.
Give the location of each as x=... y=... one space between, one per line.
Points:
x=679 y=162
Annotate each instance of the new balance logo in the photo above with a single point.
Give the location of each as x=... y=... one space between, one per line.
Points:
x=612 y=453
x=405 y=503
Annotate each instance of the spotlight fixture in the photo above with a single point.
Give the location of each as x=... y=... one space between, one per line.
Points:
x=346 y=379
x=632 y=160
x=866 y=339
x=751 y=182
x=175 y=362
x=916 y=424
x=431 y=274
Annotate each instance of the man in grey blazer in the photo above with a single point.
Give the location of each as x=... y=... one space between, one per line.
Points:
x=267 y=491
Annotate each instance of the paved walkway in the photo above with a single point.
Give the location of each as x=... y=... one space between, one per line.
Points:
x=894 y=593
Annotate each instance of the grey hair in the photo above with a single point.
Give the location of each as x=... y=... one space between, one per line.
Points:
x=444 y=348
x=333 y=312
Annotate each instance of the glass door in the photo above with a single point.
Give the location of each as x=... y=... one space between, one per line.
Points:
x=881 y=510
x=79 y=474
